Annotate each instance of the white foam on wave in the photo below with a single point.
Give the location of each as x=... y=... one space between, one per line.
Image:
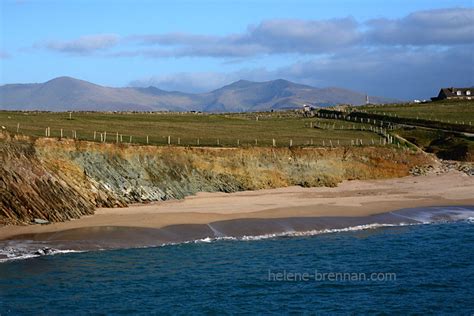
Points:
x=299 y=233
x=461 y=214
x=11 y=253
x=21 y=251
x=438 y=214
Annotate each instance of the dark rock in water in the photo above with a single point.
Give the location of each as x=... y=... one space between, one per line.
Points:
x=44 y=251
x=40 y=252
x=40 y=221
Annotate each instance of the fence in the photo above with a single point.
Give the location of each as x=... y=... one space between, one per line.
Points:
x=170 y=140
x=391 y=121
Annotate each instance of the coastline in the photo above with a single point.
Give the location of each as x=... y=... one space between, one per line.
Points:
x=61 y=180
x=351 y=199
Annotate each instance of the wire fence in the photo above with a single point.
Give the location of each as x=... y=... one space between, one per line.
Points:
x=374 y=138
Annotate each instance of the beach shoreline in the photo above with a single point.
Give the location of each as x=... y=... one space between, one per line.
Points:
x=357 y=198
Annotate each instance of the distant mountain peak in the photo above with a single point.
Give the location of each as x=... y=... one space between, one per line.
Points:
x=70 y=82
x=67 y=93
x=280 y=81
x=64 y=78
x=239 y=83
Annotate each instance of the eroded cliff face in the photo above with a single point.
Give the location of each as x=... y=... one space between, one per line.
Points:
x=29 y=190
x=58 y=180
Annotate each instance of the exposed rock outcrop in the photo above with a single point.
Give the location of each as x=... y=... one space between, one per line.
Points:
x=28 y=190
x=443 y=166
x=58 y=180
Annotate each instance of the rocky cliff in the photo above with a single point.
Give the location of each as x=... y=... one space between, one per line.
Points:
x=58 y=180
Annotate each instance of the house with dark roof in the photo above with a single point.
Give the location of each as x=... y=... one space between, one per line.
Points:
x=454 y=94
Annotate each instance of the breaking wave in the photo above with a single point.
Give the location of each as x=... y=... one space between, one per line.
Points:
x=300 y=233
x=26 y=249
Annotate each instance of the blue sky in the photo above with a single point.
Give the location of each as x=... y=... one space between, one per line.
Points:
x=402 y=49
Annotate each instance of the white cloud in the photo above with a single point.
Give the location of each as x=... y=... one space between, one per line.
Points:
x=4 y=55
x=434 y=27
x=389 y=72
x=197 y=82
x=441 y=27
x=83 y=45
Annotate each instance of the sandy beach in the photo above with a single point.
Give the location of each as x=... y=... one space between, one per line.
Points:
x=349 y=199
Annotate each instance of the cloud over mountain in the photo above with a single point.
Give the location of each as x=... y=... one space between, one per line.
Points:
x=405 y=57
x=392 y=72
x=435 y=27
x=442 y=27
x=83 y=45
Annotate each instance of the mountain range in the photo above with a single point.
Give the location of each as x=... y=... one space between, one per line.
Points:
x=70 y=94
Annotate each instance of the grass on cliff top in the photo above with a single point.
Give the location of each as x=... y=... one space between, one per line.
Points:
x=445 y=145
x=459 y=112
x=210 y=129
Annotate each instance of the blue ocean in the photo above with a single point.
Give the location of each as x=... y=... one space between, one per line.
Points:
x=415 y=269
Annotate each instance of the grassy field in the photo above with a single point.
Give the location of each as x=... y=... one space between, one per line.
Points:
x=443 y=128
x=191 y=129
x=458 y=112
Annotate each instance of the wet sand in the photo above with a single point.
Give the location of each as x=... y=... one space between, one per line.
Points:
x=243 y=212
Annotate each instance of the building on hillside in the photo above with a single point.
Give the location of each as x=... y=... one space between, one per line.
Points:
x=454 y=94
x=307 y=108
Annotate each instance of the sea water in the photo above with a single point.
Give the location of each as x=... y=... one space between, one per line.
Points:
x=423 y=268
